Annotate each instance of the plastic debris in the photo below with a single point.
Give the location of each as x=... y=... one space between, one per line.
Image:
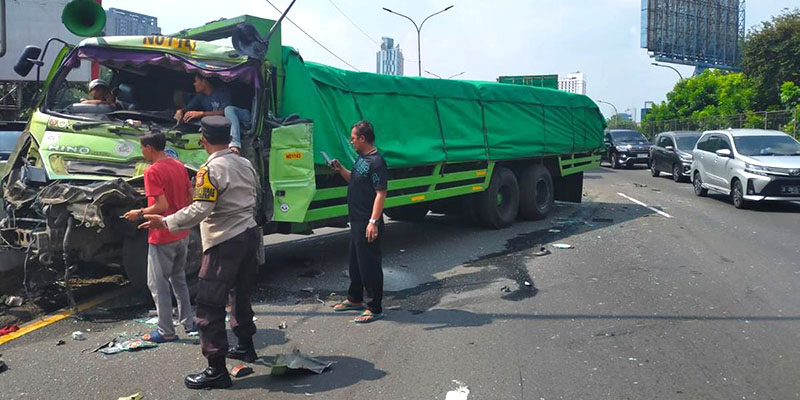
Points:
x=137 y=396
x=8 y=329
x=60 y=342
x=240 y=371
x=282 y=325
x=297 y=361
x=554 y=230
x=78 y=335
x=106 y=345
x=641 y=185
x=528 y=284
x=542 y=252
x=129 y=345
x=505 y=289
x=14 y=301
x=563 y=246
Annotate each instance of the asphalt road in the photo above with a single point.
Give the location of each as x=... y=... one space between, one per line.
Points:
x=683 y=297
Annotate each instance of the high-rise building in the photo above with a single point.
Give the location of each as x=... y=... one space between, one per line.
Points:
x=390 y=58
x=126 y=23
x=573 y=83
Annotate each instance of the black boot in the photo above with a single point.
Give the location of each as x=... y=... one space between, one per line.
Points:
x=245 y=352
x=211 y=378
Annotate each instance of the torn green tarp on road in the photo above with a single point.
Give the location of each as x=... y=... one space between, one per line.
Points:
x=422 y=121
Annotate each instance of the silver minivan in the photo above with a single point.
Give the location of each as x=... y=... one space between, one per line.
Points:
x=747 y=164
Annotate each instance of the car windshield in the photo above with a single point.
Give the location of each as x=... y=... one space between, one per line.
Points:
x=772 y=145
x=686 y=142
x=628 y=136
x=8 y=139
x=139 y=92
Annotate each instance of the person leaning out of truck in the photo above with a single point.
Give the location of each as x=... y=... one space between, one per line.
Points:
x=211 y=100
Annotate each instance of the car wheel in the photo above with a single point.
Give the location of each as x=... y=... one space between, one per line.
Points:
x=615 y=161
x=677 y=174
x=698 y=185
x=737 y=195
x=653 y=170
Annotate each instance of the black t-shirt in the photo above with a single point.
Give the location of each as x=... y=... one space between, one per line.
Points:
x=369 y=175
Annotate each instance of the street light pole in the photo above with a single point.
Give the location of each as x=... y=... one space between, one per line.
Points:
x=613 y=106
x=667 y=66
x=419 y=29
x=440 y=77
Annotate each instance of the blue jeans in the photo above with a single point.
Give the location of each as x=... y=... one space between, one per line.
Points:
x=239 y=117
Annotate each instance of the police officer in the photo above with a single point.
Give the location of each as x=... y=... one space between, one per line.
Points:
x=223 y=206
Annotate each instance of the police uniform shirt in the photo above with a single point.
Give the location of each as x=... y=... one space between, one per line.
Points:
x=224 y=200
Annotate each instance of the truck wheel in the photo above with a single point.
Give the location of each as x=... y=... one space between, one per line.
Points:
x=410 y=213
x=134 y=259
x=535 y=192
x=499 y=204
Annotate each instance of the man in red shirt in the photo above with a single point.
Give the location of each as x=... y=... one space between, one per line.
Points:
x=167 y=187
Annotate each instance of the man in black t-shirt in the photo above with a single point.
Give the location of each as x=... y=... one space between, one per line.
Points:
x=366 y=193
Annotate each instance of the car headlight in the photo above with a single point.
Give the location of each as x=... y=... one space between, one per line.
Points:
x=686 y=157
x=756 y=169
x=623 y=148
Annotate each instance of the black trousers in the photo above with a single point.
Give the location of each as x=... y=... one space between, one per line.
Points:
x=228 y=275
x=365 y=266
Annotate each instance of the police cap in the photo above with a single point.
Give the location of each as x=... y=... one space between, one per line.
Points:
x=216 y=128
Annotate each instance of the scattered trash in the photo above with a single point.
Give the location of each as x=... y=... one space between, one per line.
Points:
x=641 y=185
x=78 y=335
x=460 y=393
x=528 y=284
x=137 y=396
x=8 y=329
x=402 y=250
x=240 y=371
x=554 y=230
x=13 y=301
x=542 y=252
x=313 y=331
x=296 y=361
x=403 y=266
x=154 y=321
x=562 y=221
x=106 y=345
x=655 y=190
x=129 y=345
x=311 y=273
x=60 y=342
x=505 y=289
x=307 y=290
x=194 y=333
x=602 y=220
x=563 y=246
x=283 y=325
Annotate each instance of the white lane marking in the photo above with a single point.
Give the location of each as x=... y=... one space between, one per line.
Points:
x=461 y=392
x=645 y=205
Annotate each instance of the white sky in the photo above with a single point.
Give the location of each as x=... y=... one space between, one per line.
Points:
x=484 y=39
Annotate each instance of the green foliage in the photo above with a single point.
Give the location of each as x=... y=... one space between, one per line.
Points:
x=617 y=122
x=772 y=57
x=790 y=95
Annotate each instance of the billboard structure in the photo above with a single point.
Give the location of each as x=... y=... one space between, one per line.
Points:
x=701 y=33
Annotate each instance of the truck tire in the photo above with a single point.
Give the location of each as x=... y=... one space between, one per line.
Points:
x=409 y=213
x=498 y=206
x=536 y=193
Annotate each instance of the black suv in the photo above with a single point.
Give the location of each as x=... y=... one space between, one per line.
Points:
x=625 y=147
x=672 y=153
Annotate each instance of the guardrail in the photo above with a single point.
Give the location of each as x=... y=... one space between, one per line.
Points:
x=785 y=121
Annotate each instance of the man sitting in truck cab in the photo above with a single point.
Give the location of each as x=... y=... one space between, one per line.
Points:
x=100 y=93
x=210 y=101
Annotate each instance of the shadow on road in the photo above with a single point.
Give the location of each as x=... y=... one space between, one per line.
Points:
x=761 y=206
x=345 y=371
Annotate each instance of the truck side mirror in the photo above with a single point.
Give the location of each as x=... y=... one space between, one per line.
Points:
x=29 y=58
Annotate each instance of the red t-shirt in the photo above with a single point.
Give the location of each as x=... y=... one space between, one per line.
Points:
x=168 y=177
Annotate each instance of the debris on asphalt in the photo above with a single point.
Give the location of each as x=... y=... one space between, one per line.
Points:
x=296 y=361
x=283 y=325
x=129 y=345
x=528 y=284
x=307 y=290
x=563 y=246
x=554 y=230
x=137 y=396
x=403 y=266
x=60 y=342
x=402 y=250
x=602 y=219
x=542 y=252
x=241 y=371
x=106 y=345
x=505 y=289
x=3 y=366
x=655 y=190
x=154 y=321
x=8 y=329
x=564 y=221
x=78 y=335
x=13 y=301
x=311 y=273
x=640 y=185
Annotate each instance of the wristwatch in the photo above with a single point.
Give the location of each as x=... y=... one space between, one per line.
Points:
x=373 y=221
x=141 y=214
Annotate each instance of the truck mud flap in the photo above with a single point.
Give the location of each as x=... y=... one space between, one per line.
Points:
x=569 y=188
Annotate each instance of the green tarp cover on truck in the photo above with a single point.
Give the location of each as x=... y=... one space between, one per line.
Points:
x=421 y=121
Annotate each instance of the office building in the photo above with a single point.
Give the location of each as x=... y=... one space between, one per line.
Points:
x=390 y=58
x=573 y=83
x=126 y=23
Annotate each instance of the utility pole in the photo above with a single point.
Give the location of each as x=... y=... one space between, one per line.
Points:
x=616 y=113
x=419 y=29
x=667 y=66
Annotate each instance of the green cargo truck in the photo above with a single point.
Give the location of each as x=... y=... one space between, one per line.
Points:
x=491 y=151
